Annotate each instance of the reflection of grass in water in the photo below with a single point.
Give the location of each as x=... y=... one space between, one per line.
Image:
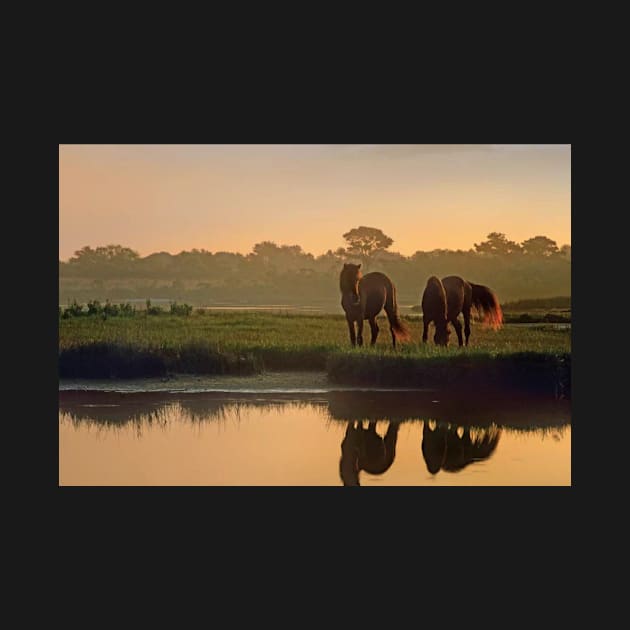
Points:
x=138 y=420
x=199 y=412
x=99 y=416
x=477 y=432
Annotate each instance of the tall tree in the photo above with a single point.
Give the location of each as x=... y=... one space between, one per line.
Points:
x=365 y=241
x=497 y=244
x=540 y=246
x=104 y=254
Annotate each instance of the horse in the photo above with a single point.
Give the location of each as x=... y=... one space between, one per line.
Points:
x=364 y=297
x=461 y=296
x=365 y=449
x=434 y=309
x=444 y=449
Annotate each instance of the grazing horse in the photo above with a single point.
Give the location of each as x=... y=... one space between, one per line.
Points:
x=461 y=296
x=364 y=297
x=365 y=449
x=434 y=310
x=444 y=449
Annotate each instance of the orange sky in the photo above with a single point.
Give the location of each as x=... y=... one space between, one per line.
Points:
x=229 y=197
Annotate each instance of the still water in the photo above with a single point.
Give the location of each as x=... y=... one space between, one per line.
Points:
x=332 y=438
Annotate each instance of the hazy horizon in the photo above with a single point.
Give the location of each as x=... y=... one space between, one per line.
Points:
x=175 y=198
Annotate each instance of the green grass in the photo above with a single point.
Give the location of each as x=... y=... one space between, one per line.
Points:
x=248 y=342
x=246 y=331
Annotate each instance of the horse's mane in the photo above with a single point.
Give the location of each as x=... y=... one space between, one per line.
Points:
x=348 y=278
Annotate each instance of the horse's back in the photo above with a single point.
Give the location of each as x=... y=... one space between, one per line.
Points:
x=375 y=279
x=373 y=289
x=458 y=294
x=454 y=283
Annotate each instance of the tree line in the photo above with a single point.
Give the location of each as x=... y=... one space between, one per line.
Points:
x=272 y=273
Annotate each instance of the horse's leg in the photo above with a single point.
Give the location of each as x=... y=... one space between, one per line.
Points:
x=457 y=325
x=425 y=330
x=374 y=328
x=353 y=337
x=466 y=324
x=360 y=331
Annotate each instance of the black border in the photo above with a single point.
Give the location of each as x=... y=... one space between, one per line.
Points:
x=311 y=516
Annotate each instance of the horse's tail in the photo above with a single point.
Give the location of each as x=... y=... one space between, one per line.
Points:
x=399 y=327
x=487 y=305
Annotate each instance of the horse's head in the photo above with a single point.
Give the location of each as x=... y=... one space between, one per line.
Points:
x=350 y=452
x=441 y=336
x=349 y=281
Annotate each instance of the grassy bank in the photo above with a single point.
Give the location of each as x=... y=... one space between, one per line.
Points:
x=467 y=371
x=249 y=342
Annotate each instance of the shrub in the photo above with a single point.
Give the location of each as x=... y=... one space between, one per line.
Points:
x=94 y=308
x=154 y=310
x=181 y=309
x=73 y=310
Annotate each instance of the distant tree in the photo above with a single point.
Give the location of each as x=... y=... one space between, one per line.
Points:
x=84 y=255
x=381 y=255
x=365 y=241
x=540 y=246
x=282 y=257
x=565 y=251
x=109 y=253
x=228 y=262
x=497 y=244
x=159 y=263
x=338 y=255
x=117 y=252
x=330 y=262
x=419 y=255
x=265 y=251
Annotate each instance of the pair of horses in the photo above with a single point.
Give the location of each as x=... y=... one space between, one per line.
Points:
x=444 y=447
x=364 y=297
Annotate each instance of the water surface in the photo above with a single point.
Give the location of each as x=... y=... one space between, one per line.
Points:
x=318 y=437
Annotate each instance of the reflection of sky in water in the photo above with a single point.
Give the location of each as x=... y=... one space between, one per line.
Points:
x=264 y=441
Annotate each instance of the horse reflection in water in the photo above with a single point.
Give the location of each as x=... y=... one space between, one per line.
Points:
x=443 y=448
x=364 y=449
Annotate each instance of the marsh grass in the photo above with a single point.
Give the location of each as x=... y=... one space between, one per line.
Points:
x=250 y=342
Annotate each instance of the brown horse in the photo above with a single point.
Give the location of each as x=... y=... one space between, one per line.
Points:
x=434 y=310
x=461 y=296
x=364 y=297
x=444 y=449
x=365 y=449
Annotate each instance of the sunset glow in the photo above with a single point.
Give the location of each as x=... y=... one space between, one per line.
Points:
x=171 y=198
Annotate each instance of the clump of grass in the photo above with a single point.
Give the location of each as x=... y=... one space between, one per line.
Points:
x=291 y=358
x=202 y=358
x=110 y=360
x=73 y=310
x=181 y=309
x=95 y=308
x=153 y=310
x=123 y=360
x=473 y=371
